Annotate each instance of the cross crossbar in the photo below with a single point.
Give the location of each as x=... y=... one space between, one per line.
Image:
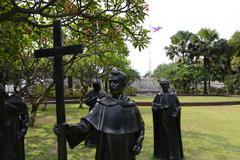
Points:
x=73 y=49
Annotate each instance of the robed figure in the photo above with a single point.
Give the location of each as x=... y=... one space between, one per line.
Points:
x=166 y=124
x=117 y=121
x=91 y=99
x=94 y=94
x=14 y=120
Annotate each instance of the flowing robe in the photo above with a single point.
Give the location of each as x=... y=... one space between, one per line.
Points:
x=91 y=100
x=166 y=125
x=118 y=124
x=14 y=121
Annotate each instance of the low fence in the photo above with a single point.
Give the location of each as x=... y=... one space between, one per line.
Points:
x=197 y=103
x=76 y=100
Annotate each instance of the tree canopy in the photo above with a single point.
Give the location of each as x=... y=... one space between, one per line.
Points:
x=111 y=19
x=203 y=51
x=103 y=26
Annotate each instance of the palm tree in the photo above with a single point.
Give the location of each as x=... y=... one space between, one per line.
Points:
x=234 y=78
x=207 y=39
x=235 y=43
x=180 y=47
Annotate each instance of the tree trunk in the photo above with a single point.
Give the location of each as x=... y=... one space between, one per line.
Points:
x=36 y=103
x=205 y=78
x=205 y=87
x=44 y=107
x=81 y=102
x=196 y=86
x=209 y=82
x=33 y=115
x=70 y=84
x=185 y=88
x=83 y=93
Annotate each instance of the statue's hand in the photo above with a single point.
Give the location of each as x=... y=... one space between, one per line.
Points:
x=176 y=112
x=57 y=129
x=93 y=100
x=156 y=109
x=137 y=148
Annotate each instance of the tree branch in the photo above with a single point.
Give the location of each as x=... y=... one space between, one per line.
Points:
x=31 y=10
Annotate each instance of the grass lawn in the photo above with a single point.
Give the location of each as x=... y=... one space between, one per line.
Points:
x=209 y=133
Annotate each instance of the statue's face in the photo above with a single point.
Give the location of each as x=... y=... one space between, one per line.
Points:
x=116 y=86
x=165 y=86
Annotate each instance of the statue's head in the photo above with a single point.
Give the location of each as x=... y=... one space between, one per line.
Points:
x=117 y=82
x=96 y=84
x=164 y=83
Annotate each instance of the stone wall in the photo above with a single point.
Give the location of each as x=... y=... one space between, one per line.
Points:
x=146 y=86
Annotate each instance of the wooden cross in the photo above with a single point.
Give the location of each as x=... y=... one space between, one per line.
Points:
x=57 y=52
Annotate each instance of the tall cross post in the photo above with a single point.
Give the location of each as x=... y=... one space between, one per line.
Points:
x=57 y=52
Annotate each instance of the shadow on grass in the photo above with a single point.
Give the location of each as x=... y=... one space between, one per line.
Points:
x=203 y=146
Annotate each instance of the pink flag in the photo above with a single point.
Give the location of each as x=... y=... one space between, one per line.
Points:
x=155 y=29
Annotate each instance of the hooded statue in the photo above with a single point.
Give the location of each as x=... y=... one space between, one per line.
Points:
x=14 y=121
x=166 y=124
x=117 y=121
x=94 y=94
x=91 y=99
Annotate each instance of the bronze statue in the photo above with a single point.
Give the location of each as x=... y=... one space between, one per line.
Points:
x=96 y=93
x=116 y=120
x=91 y=99
x=166 y=124
x=14 y=120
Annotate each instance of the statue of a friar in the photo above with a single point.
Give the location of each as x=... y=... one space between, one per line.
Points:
x=166 y=124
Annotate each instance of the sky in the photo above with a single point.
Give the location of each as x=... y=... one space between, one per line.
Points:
x=187 y=15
